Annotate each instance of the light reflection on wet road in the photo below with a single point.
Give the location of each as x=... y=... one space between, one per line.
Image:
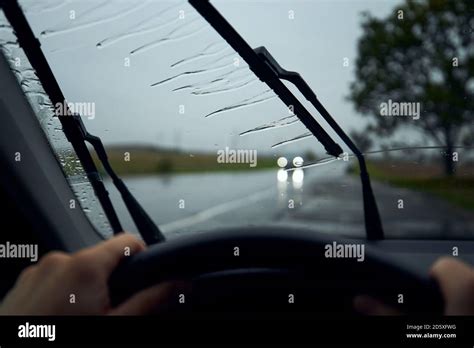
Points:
x=185 y=203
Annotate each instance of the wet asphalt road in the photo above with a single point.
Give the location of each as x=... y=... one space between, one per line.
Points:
x=329 y=200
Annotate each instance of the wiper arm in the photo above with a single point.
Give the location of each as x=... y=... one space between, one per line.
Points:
x=373 y=222
x=145 y=225
x=269 y=71
x=264 y=73
x=76 y=133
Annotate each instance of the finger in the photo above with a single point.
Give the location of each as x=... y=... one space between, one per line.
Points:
x=456 y=281
x=28 y=273
x=108 y=254
x=370 y=306
x=146 y=301
x=450 y=273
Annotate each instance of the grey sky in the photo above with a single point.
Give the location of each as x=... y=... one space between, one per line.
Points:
x=129 y=110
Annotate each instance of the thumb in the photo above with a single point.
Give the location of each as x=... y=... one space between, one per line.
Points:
x=146 y=301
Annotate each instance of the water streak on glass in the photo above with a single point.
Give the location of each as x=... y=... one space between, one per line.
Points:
x=188 y=73
x=225 y=79
x=282 y=122
x=171 y=36
x=209 y=51
x=141 y=28
x=293 y=140
x=218 y=60
x=257 y=99
x=233 y=87
x=66 y=28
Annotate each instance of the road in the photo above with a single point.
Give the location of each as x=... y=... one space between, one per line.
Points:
x=329 y=201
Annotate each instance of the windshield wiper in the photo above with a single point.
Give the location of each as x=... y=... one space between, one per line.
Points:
x=265 y=73
x=77 y=134
x=267 y=69
x=145 y=225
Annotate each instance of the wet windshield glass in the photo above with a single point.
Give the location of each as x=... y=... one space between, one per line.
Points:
x=203 y=143
x=44 y=110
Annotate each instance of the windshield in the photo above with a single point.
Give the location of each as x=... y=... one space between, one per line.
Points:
x=202 y=143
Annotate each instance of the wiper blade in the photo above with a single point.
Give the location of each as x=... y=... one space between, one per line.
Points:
x=373 y=222
x=262 y=63
x=145 y=225
x=76 y=132
x=264 y=73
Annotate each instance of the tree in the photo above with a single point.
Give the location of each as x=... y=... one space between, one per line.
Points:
x=362 y=140
x=422 y=53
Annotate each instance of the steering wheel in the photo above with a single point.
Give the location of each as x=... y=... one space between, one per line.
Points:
x=276 y=269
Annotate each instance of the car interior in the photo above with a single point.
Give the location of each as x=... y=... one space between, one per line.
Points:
x=250 y=268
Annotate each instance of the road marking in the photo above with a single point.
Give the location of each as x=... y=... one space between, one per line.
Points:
x=216 y=210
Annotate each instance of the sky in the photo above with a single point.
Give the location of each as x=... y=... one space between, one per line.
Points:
x=140 y=40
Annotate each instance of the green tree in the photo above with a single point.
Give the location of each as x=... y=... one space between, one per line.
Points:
x=422 y=53
x=362 y=140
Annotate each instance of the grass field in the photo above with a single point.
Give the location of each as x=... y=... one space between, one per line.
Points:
x=458 y=189
x=147 y=160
